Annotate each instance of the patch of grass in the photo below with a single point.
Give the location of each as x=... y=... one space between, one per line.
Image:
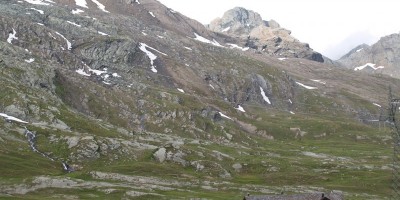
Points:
x=18 y=162
x=57 y=149
x=80 y=123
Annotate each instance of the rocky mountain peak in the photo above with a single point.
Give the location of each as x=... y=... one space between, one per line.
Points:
x=240 y=22
x=356 y=49
x=264 y=36
x=381 y=57
x=237 y=19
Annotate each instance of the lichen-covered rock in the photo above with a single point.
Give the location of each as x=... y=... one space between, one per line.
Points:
x=160 y=155
x=87 y=148
x=237 y=166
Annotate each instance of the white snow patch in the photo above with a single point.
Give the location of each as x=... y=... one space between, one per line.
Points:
x=188 y=48
x=160 y=36
x=377 y=105
x=37 y=2
x=137 y=1
x=30 y=60
x=116 y=75
x=306 y=86
x=81 y=3
x=143 y=47
x=212 y=86
x=144 y=33
x=205 y=40
x=101 y=33
x=100 y=6
x=69 y=45
x=95 y=71
x=73 y=23
x=282 y=59
x=77 y=11
x=40 y=24
x=238 y=47
x=11 y=118
x=240 y=108
x=82 y=72
x=180 y=90
x=318 y=81
x=11 y=36
x=226 y=29
x=40 y=11
x=172 y=11
x=291 y=112
x=372 y=65
x=222 y=115
x=266 y=99
x=152 y=14
x=214 y=42
x=107 y=83
x=98 y=72
x=201 y=39
x=358 y=50
x=290 y=101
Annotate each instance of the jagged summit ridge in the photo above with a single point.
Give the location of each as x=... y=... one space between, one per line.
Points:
x=381 y=57
x=361 y=47
x=264 y=36
x=240 y=21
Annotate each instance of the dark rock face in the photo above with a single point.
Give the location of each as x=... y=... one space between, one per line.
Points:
x=383 y=56
x=263 y=36
x=317 y=57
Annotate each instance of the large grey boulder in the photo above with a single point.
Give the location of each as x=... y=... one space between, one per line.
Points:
x=160 y=155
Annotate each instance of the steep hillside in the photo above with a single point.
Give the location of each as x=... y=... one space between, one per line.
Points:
x=129 y=99
x=380 y=58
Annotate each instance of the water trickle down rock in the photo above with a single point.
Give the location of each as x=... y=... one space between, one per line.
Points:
x=31 y=140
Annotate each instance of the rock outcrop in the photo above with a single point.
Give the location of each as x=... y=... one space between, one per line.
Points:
x=382 y=57
x=133 y=87
x=264 y=36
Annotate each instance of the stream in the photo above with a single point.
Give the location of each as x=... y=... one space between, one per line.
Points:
x=32 y=139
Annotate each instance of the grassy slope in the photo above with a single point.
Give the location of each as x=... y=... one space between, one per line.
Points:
x=277 y=163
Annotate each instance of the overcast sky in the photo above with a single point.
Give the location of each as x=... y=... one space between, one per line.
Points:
x=332 y=27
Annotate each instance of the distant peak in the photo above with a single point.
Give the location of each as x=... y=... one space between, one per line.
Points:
x=240 y=21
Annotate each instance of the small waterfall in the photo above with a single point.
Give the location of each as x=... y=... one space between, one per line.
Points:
x=32 y=139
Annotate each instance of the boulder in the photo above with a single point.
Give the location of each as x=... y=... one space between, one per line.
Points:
x=160 y=155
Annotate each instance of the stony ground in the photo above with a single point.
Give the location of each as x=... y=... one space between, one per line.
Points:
x=128 y=105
